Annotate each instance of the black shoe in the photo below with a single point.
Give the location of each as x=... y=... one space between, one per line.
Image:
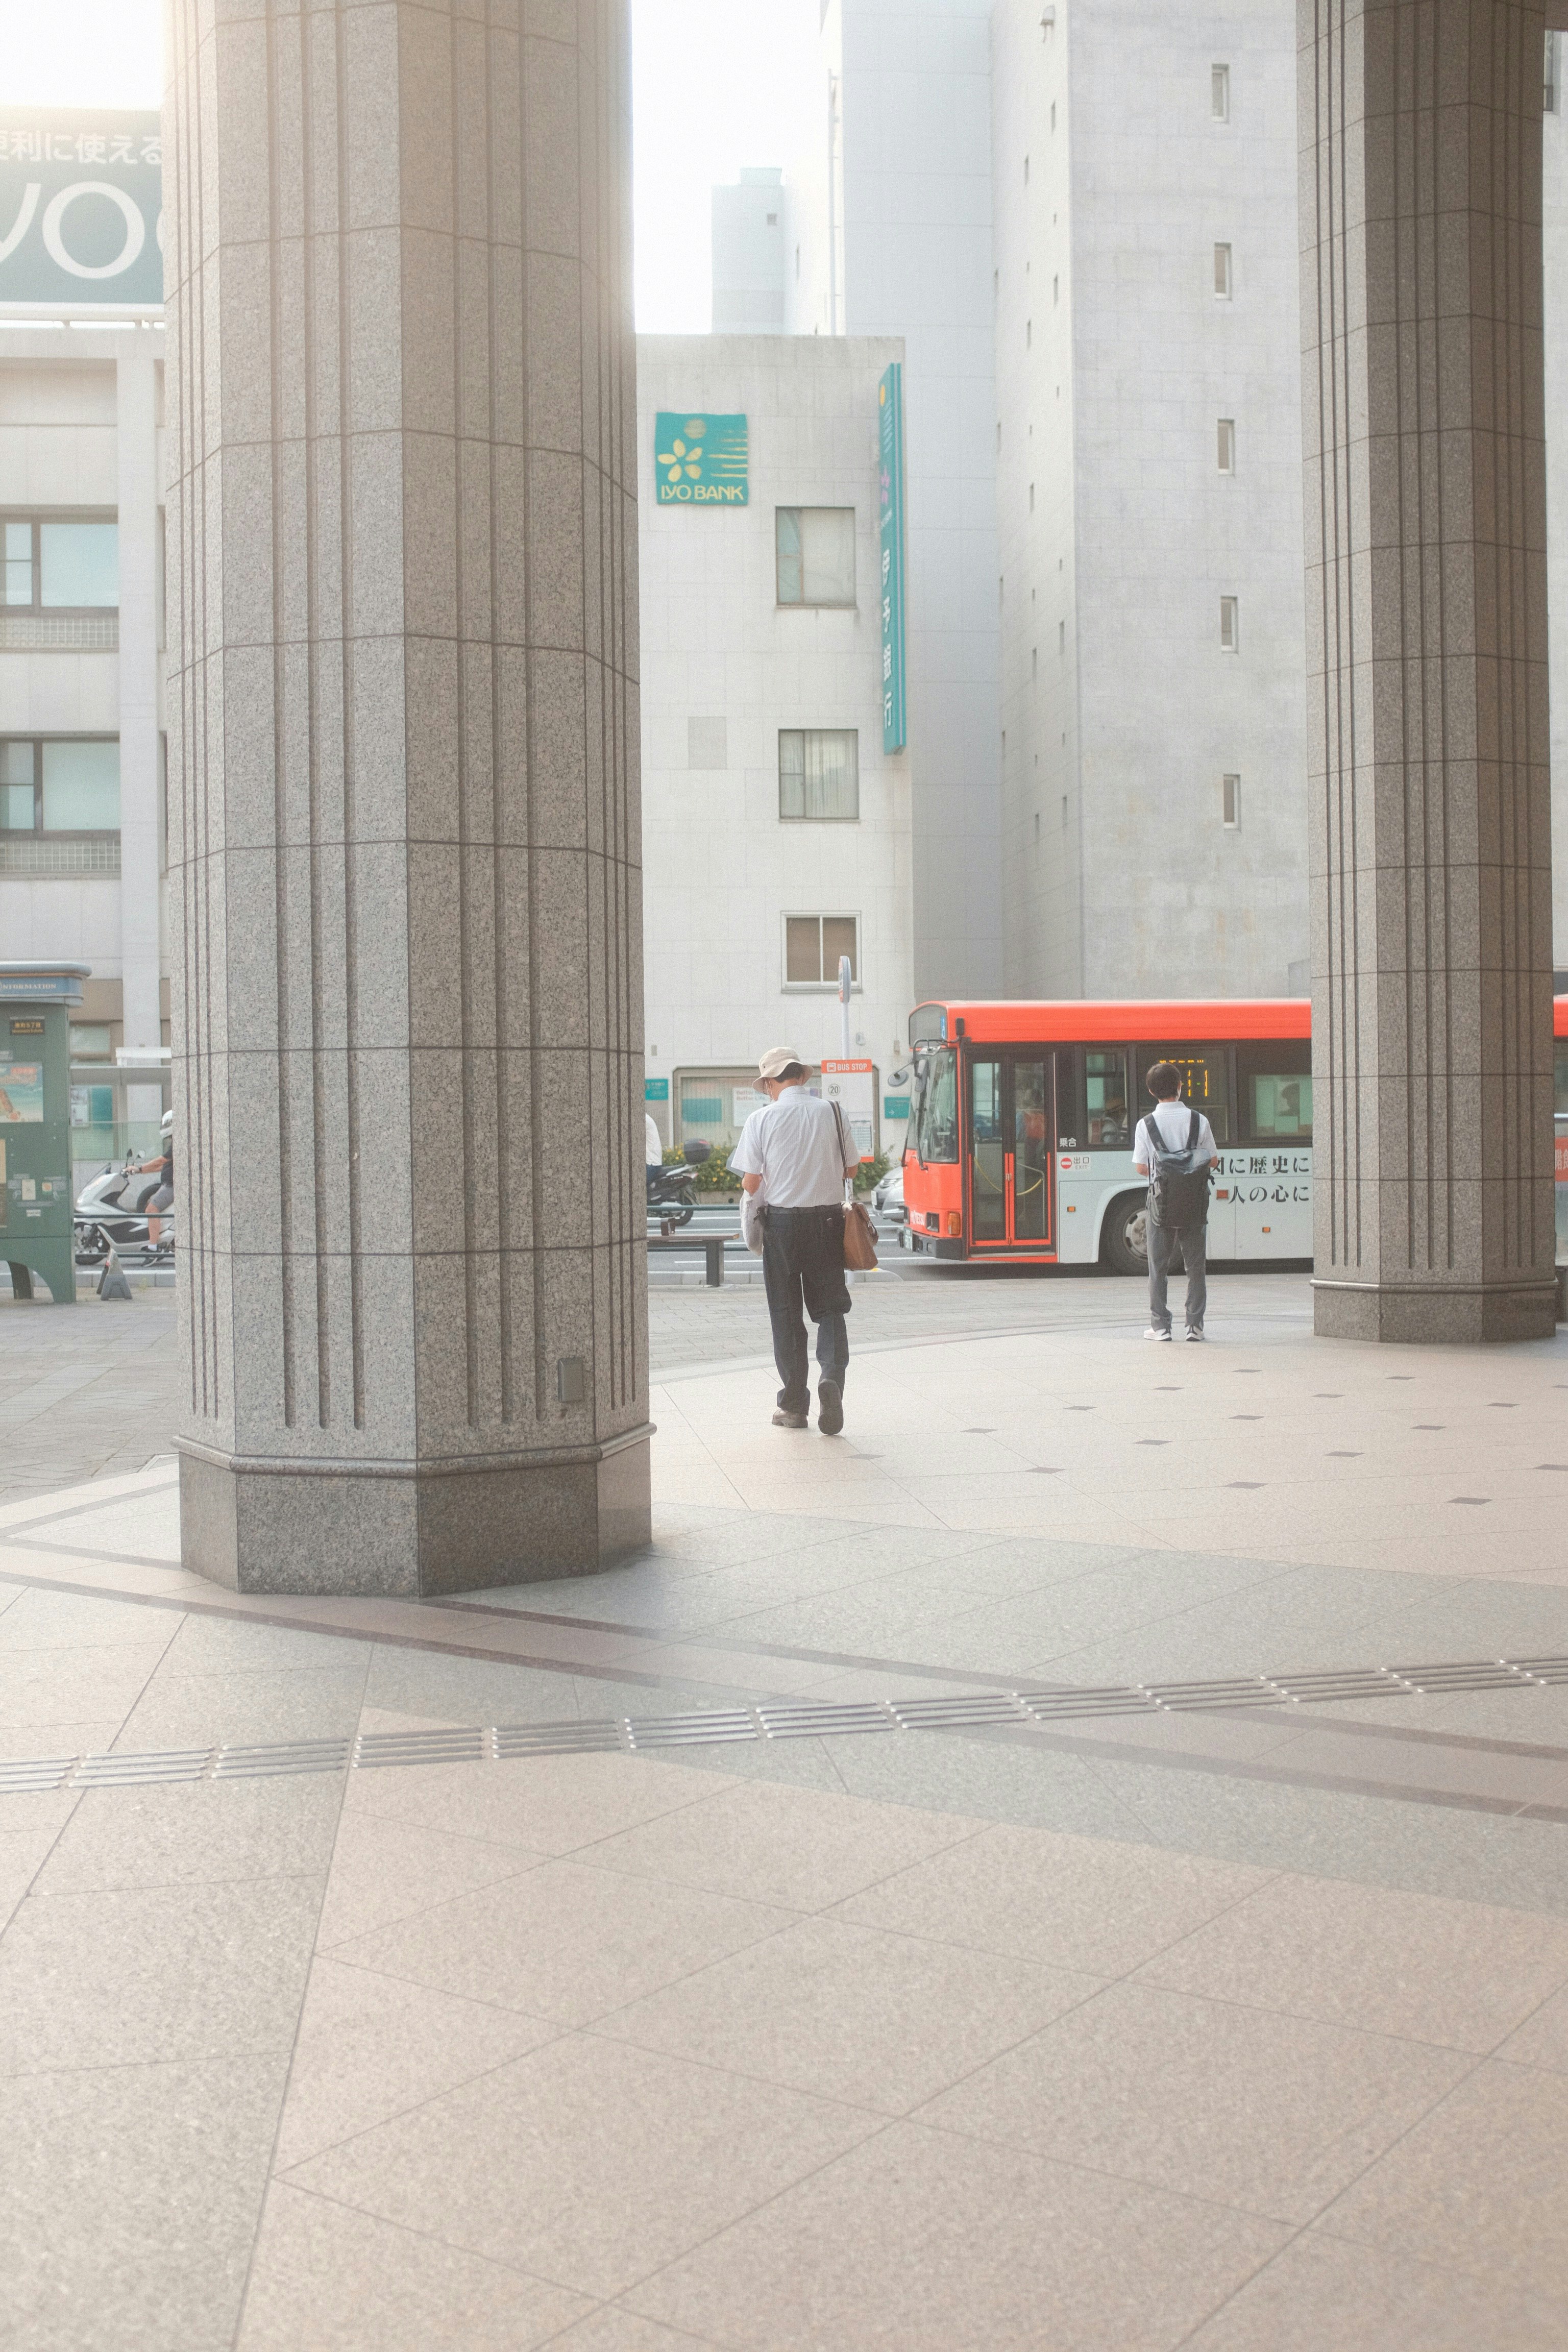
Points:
x=829 y=1408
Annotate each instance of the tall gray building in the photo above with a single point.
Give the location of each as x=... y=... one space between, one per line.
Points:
x=749 y=255
x=889 y=221
x=1149 y=499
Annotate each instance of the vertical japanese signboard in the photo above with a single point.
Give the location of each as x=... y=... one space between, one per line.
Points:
x=890 y=471
x=81 y=209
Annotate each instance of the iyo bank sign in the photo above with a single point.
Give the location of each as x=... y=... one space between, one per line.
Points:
x=81 y=209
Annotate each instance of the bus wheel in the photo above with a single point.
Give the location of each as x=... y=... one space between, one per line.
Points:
x=1124 y=1245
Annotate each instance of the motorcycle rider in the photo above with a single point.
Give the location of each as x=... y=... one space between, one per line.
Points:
x=165 y=1166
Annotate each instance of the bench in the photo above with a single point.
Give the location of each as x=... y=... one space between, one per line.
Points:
x=710 y=1244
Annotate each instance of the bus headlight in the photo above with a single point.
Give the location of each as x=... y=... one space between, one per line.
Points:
x=954 y=1224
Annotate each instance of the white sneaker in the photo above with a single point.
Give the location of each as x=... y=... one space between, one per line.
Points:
x=1152 y=1334
x=1194 y=1335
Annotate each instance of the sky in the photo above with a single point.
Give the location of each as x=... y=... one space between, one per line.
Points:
x=716 y=85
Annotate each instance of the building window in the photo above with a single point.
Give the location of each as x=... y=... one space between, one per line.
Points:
x=1222 y=273
x=90 y=1041
x=60 y=785
x=1219 y=93
x=1229 y=625
x=819 y=774
x=1228 y=445
x=815 y=555
x=813 y=945
x=1230 y=800
x=61 y=567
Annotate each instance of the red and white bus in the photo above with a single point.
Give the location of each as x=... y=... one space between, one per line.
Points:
x=1022 y=1118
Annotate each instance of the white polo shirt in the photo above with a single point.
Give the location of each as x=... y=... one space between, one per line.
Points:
x=1173 y=1119
x=796 y=1146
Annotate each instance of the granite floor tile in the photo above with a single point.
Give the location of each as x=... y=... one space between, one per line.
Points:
x=41 y=1620
x=206 y=1645
x=589 y=2163
x=23 y=1853
x=563 y=1941
x=131 y=2197
x=551 y=1804
x=138 y=1975
x=927 y=2243
x=1387 y=1962
x=613 y=2328
x=233 y=1709
x=1274 y=2115
x=463 y=1690
x=383 y=1870
x=327 y=2279
x=1340 y=1834
x=1074 y=1902
x=1479 y=2186
x=846 y=2012
x=42 y=1690
x=1320 y=2295
x=213 y=1830
x=1542 y=2039
x=776 y=1845
x=371 y=2046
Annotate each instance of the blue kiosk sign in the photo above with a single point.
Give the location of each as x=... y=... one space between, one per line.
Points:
x=891 y=473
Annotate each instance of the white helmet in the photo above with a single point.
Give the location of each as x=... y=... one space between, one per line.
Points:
x=166 y=1124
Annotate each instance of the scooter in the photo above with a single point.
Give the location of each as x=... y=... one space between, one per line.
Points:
x=671 y=1194
x=103 y=1214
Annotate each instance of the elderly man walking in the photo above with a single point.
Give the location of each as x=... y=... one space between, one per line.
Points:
x=796 y=1152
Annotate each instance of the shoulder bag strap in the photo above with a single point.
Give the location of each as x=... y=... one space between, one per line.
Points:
x=843 y=1152
x=1192 y=1131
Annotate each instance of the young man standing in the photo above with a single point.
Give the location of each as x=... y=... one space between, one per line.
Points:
x=1175 y=1149
x=796 y=1152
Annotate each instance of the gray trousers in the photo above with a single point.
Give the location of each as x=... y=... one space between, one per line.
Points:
x=1162 y=1240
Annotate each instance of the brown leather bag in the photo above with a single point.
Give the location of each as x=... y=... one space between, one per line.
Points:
x=859 y=1232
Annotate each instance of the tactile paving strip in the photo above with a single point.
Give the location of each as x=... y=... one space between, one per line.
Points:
x=789 y=1719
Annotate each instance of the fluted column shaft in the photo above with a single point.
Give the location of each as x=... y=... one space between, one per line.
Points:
x=1429 y=792
x=403 y=789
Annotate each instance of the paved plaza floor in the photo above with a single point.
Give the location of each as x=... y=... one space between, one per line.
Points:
x=1077 y=1862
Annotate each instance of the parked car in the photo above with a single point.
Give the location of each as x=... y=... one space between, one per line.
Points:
x=888 y=1199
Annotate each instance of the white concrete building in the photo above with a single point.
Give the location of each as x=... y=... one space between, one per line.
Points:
x=777 y=835
x=749 y=254
x=888 y=233
x=82 y=718
x=1149 y=491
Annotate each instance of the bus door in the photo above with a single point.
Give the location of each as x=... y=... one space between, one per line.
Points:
x=1012 y=1124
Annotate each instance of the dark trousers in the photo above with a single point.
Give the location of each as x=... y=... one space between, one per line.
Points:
x=803 y=1260
x=1162 y=1240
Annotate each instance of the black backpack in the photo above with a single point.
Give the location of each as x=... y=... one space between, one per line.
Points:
x=1178 y=1188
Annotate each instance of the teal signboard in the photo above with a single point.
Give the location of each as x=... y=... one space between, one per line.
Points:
x=81 y=207
x=656 y=1089
x=700 y=461
x=890 y=470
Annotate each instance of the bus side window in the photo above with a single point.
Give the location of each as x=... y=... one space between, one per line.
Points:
x=1070 y=1130
x=1106 y=1098
x=1205 y=1081
x=1274 y=1082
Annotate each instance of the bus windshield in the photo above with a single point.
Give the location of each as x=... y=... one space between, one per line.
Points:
x=934 y=1126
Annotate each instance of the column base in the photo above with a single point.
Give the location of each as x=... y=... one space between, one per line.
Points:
x=286 y=1527
x=1452 y=1315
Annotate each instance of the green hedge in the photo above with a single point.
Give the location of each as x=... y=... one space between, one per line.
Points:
x=714 y=1174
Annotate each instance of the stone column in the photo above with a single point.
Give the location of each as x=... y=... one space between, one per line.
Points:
x=403 y=792
x=1428 y=792
x=141 y=890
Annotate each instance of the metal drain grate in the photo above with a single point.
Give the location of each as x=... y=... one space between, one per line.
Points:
x=796 y=1719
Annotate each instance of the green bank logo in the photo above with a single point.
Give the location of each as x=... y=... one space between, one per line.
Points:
x=700 y=461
